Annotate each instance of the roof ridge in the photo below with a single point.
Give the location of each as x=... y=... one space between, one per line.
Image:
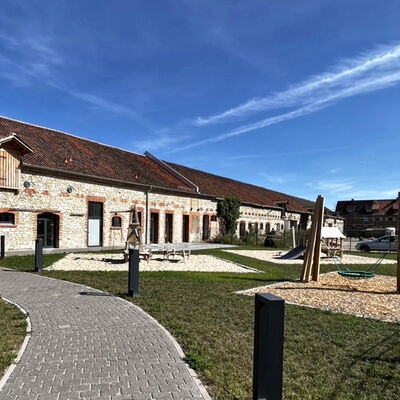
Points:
x=70 y=134
x=235 y=180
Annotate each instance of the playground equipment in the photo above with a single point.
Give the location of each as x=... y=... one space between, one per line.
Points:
x=311 y=264
x=133 y=239
x=312 y=256
x=295 y=253
x=327 y=239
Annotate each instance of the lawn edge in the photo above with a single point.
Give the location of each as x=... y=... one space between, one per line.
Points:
x=247 y=292
x=10 y=369
x=193 y=374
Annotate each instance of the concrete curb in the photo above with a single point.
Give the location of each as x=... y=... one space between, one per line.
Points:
x=11 y=368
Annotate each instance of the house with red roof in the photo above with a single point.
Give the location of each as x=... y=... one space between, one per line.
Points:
x=368 y=217
x=75 y=193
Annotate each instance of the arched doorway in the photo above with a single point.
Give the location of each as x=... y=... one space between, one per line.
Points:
x=48 y=226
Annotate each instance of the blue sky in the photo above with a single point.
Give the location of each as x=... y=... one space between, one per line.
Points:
x=296 y=96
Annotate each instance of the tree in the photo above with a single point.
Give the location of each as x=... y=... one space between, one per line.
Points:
x=228 y=211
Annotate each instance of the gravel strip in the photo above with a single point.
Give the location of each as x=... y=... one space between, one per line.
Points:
x=114 y=262
x=273 y=256
x=369 y=298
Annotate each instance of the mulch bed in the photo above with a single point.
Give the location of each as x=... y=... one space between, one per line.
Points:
x=369 y=298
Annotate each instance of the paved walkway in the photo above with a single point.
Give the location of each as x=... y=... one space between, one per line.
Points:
x=86 y=344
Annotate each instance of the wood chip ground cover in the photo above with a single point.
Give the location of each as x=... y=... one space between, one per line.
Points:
x=371 y=298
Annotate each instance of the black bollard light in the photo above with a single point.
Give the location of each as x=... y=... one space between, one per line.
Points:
x=39 y=255
x=133 y=278
x=268 y=347
x=2 y=247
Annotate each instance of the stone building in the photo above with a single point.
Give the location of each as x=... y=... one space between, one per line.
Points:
x=367 y=217
x=75 y=193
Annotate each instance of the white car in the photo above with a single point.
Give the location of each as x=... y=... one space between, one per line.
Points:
x=384 y=243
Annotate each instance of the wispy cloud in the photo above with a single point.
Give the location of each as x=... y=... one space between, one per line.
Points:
x=275 y=179
x=347 y=75
x=378 y=72
x=161 y=140
x=34 y=59
x=333 y=187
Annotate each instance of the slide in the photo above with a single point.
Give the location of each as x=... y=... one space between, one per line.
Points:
x=297 y=252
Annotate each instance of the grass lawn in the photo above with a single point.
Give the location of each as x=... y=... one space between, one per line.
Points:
x=390 y=256
x=12 y=333
x=327 y=356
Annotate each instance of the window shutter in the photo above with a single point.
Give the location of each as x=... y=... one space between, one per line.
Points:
x=9 y=170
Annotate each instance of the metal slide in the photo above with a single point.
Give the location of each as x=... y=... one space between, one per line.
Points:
x=297 y=252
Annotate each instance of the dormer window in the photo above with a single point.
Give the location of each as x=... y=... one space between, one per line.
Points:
x=11 y=151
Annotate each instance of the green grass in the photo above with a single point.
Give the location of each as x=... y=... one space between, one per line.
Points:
x=12 y=333
x=27 y=263
x=390 y=256
x=327 y=356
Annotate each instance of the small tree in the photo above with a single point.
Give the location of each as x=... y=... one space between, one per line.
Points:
x=228 y=211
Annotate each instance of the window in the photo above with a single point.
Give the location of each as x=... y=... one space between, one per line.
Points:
x=7 y=218
x=116 y=222
x=213 y=218
x=261 y=226
x=95 y=210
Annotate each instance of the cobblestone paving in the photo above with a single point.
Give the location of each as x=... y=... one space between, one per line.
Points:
x=86 y=344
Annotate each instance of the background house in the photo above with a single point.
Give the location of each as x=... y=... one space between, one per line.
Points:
x=76 y=193
x=367 y=217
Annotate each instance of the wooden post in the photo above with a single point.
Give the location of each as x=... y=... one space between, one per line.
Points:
x=317 y=249
x=308 y=257
x=293 y=237
x=398 y=243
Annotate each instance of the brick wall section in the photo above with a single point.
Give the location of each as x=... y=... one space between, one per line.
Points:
x=49 y=194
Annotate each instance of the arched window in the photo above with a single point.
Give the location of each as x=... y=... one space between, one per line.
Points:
x=7 y=218
x=116 y=222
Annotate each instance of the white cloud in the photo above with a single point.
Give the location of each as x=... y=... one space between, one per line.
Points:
x=349 y=74
x=162 y=141
x=333 y=187
x=276 y=179
x=359 y=87
x=35 y=59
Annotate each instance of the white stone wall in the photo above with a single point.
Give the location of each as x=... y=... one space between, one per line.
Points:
x=49 y=194
x=252 y=215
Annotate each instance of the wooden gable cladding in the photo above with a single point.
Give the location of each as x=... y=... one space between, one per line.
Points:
x=10 y=172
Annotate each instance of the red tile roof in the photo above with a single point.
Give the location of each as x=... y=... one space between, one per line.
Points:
x=367 y=207
x=70 y=154
x=64 y=152
x=221 y=187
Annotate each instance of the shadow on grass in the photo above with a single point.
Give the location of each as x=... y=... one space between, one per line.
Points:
x=386 y=345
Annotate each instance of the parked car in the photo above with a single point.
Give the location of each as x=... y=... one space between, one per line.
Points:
x=384 y=243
